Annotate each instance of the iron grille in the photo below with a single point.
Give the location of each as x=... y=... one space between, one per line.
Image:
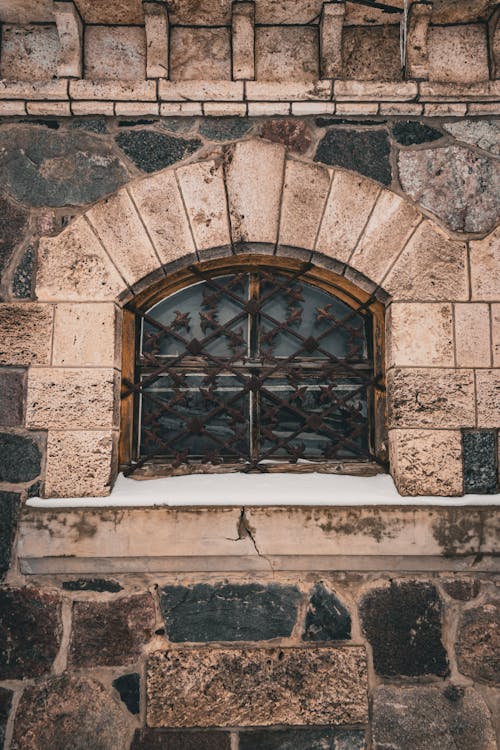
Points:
x=253 y=367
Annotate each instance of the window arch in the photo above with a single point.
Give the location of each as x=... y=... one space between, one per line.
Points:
x=253 y=363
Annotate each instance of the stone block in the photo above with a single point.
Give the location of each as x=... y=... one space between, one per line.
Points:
x=356 y=108
x=417 y=52
x=6 y=696
x=420 y=335
x=432 y=267
x=268 y=109
x=225 y=110
x=20 y=458
x=204 y=196
x=431 y=397
x=372 y=90
x=445 y=110
x=119 y=12
x=80 y=463
x=158 y=739
x=12 y=388
x=129 y=686
x=157 y=30
x=424 y=716
x=38 y=90
x=243 y=41
x=485 y=267
x=119 y=227
x=229 y=612
x=29 y=53
x=26 y=333
x=204 y=90
x=495 y=334
x=349 y=205
x=292 y=133
x=472 y=334
x=402 y=622
x=330 y=39
x=303 y=739
x=69 y=712
x=480 y=456
x=403 y=108
x=92 y=584
x=86 y=334
x=286 y=53
x=390 y=225
x=160 y=206
x=136 y=109
x=115 y=53
x=426 y=462
x=70 y=32
x=305 y=192
x=71 y=398
x=30 y=632
x=286 y=91
x=152 y=151
x=458 y=53
x=371 y=54
x=56 y=109
x=12 y=109
x=13 y=220
x=478 y=642
x=413 y=133
x=484 y=134
x=257 y=687
x=254 y=175
x=9 y=509
x=488 y=398
x=304 y=109
x=186 y=109
x=327 y=619
x=229 y=127
x=200 y=54
x=364 y=151
x=114 y=90
x=207 y=13
x=111 y=633
x=93 y=108
x=75 y=266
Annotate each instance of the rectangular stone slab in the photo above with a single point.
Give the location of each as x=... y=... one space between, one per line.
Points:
x=200 y=687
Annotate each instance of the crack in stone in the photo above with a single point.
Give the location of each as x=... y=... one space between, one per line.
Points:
x=246 y=531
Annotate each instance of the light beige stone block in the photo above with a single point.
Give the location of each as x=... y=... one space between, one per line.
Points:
x=156 y=26
x=401 y=109
x=115 y=53
x=206 y=13
x=116 y=222
x=426 y=462
x=184 y=109
x=272 y=91
x=485 y=267
x=136 y=109
x=29 y=53
x=180 y=91
x=243 y=41
x=59 y=109
x=286 y=53
x=287 y=12
x=200 y=54
x=71 y=398
x=268 y=109
x=75 y=266
x=420 y=334
x=495 y=333
x=445 y=110
x=70 y=31
x=458 y=53
x=26 y=333
x=86 y=334
x=374 y=90
x=431 y=397
x=160 y=206
x=488 y=108
x=389 y=227
x=330 y=39
x=371 y=54
x=121 y=91
x=12 y=109
x=254 y=180
x=451 y=91
x=27 y=11
x=37 y=90
x=224 y=109
x=93 y=108
x=357 y=108
x=488 y=398
x=299 y=686
x=417 y=53
x=303 y=109
x=305 y=192
x=80 y=463
x=472 y=335
x=349 y=205
x=202 y=188
x=116 y=12
x=432 y=267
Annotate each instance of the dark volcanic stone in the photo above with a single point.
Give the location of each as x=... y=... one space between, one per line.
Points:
x=403 y=624
x=178 y=124
x=19 y=458
x=93 y=125
x=22 y=283
x=157 y=739
x=327 y=619
x=111 y=633
x=9 y=506
x=224 y=128
x=428 y=718
x=5 y=706
x=294 y=134
x=303 y=739
x=411 y=133
x=151 y=151
x=92 y=584
x=58 y=168
x=12 y=225
x=478 y=642
x=229 y=612
x=129 y=686
x=69 y=713
x=366 y=152
x=11 y=397
x=30 y=632
x=462 y=589
x=480 y=450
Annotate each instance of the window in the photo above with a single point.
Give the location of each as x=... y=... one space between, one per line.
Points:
x=258 y=364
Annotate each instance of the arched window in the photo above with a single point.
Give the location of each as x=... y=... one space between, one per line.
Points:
x=254 y=364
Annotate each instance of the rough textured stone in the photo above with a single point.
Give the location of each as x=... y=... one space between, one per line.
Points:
x=200 y=54
x=115 y=53
x=472 y=335
x=420 y=334
x=462 y=589
x=305 y=191
x=478 y=642
x=488 y=398
x=485 y=267
x=403 y=624
x=157 y=739
x=424 y=718
x=9 y=504
x=371 y=54
x=12 y=225
x=286 y=54
x=458 y=53
x=151 y=151
x=29 y=53
x=458 y=185
x=229 y=612
x=128 y=685
x=257 y=687
x=92 y=584
x=19 y=458
x=203 y=192
x=480 y=451
x=5 y=706
x=224 y=128
x=22 y=283
x=426 y=462
x=56 y=168
x=30 y=632
x=120 y=11
x=495 y=334
x=482 y=133
x=110 y=633
x=303 y=739
x=69 y=712
x=85 y=335
x=26 y=334
x=12 y=385
x=326 y=619
x=366 y=152
x=458 y=11
x=294 y=134
x=411 y=133
x=79 y=463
